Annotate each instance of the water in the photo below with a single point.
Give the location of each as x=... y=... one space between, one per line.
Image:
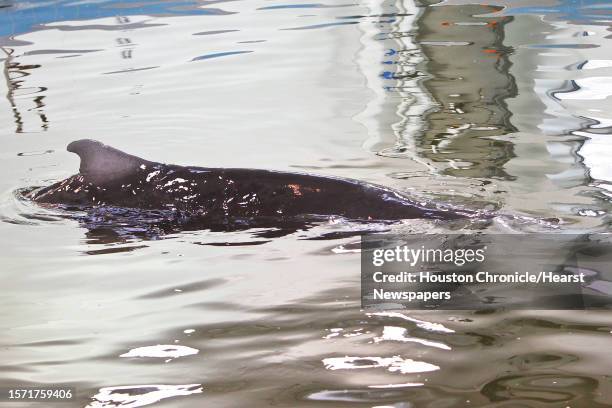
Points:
x=482 y=106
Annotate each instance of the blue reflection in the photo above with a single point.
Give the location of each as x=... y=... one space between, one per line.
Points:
x=572 y=10
x=18 y=17
x=219 y=54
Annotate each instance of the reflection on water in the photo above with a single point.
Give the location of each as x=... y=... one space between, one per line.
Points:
x=470 y=83
x=568 y=118
x=494 y=104
x=19 y=96
x=140 y=395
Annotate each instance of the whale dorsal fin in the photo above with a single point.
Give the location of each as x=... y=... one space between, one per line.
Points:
x=102 y=164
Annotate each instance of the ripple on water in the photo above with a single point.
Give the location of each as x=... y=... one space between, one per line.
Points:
x=543 y=388
x=15 y=210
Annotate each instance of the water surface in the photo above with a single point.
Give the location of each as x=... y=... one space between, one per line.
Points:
x=475 y=105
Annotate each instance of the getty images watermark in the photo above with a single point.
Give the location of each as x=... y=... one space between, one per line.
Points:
x=478 y=271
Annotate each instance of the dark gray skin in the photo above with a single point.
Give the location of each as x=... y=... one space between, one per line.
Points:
x=109 y=177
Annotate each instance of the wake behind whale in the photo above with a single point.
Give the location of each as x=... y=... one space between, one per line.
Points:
x=185 y=197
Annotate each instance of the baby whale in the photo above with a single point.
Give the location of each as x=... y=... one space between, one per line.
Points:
x=110 y=177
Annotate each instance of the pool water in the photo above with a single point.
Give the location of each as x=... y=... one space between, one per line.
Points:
x=501 y=107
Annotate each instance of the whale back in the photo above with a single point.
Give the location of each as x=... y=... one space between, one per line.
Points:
x=110 y=177
x=102 y=164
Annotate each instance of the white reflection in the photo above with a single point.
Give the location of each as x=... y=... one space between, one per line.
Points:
x=393 y=364
x=393 y=333
x=161 y=351
x=436 y=327
x=592 y=88
x=140 y=395
x=399 y=92
x=562 y=72
x=402 y=385
x=596 y=154
x=594 y=64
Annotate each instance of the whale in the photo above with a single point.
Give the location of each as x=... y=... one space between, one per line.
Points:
x=109 y=177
